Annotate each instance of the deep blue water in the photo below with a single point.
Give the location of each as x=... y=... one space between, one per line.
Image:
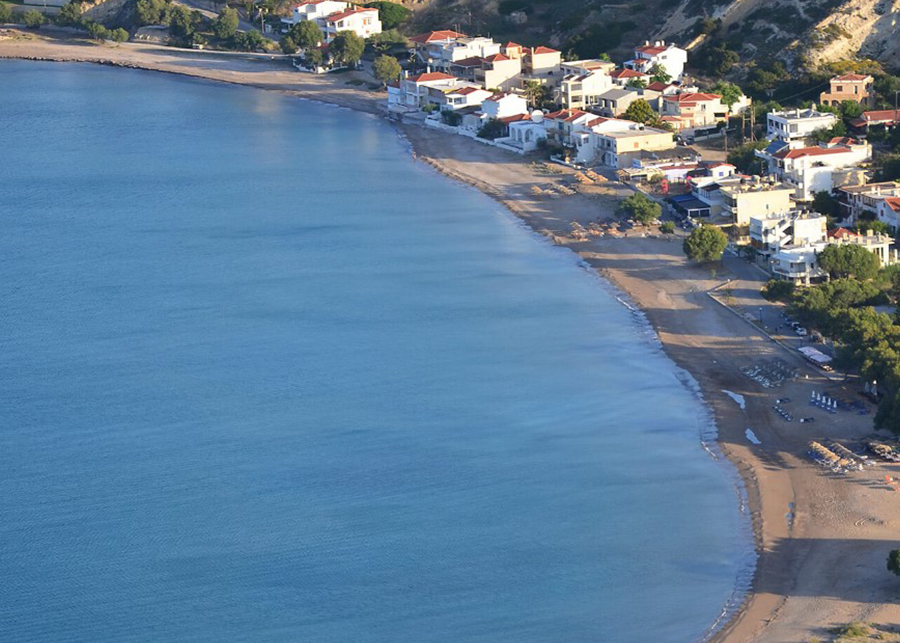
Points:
x=265 y=378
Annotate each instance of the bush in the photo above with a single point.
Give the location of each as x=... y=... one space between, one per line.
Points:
x=5 y=12
x=778 y=290
x=667 y=228
x=118 y=35
x=451 y=118
x=491 y=129
x=391 y=14
x=33 y=19
x=640 y=208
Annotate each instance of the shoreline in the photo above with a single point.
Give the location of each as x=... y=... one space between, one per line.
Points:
x=785 y=600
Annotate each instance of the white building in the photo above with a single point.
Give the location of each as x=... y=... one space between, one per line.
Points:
x=583 y=91
x=499 y=107
x=444 y=53
x=856 y=200
x=361 y=21
x=769 y=233
x=315 y=10
x=799 y=263
x=796 y=125
x=616 y=143
x=458 y=96
x=815 y=169
x=668 y=56
x=413 y=91
x=526 y=134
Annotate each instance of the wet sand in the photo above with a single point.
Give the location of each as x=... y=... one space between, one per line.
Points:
x=822 y=539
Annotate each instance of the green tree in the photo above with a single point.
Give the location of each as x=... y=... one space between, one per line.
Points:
x=118 y=35
x=391 y=14
x=306 y=34
x=534 y=92
x=182 y=22
x=849 y=261
x=492 y=129
x=288 y=46
x=719 y=60
x=153 y=12
x=386 y=69
x=744 y=158
x=347 y=48
x=5 y=12
x=33 y=19
x=637 y=83
x=851 y=109
x=314 y=57
x=667 y=227
x=226 y=25
x=658 y=74
x=825 y=134
x=70 y=14
x=97 y=31
x=250 y=40
x=640 y=111
x=387 y=40
x=640 y=208
x=888 y=167
x=824 y=203
x=729 y=92
x=705 y=244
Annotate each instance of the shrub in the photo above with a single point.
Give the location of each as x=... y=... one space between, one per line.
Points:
x=706 y=243
x=640 y=208
x=33 y=19
x=778 y=290
x=491 y=129
x=451 y=118
x=667 y=228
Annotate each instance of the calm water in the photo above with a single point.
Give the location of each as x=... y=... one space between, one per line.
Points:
x=265 y=378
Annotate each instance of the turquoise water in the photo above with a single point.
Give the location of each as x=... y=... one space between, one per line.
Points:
x=265 y=378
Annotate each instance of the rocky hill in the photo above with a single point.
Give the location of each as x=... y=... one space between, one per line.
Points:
x=801 y=33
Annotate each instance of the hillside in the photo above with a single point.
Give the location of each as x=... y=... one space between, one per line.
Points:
x=801 y=33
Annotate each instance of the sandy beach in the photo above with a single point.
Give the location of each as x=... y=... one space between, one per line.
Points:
x=822 y=539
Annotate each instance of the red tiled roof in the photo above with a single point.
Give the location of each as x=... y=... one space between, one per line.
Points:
x=893 y=203
x=542 y=50
x=567 y=115
x=881 y=115
x=850 y=77
x=512 y=45
x=434 y=75
x=691 y=98
x=303 y=4
x=650 y=49
x=496 y=57
x=431 y=36
x=658 y=86
x=465 y=91
x=349 y=12
x=841 y=233
x=627 y=73
x=842 y=140
x=810 y=151
x=515 y=118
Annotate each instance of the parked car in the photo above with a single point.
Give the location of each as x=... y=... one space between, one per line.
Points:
x=800 y=331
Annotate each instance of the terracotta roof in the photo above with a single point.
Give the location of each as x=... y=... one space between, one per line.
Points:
x=841 y=233
x=303 y=4
x=474 y=61
x=842 y=140
x=691 y=97
x=627 y=73
x=434 y=75
x=431 y=36
x=658 y=86
x=893 y=203
x=349 y=12
x=567 y=115
x=512 y=45
x=516 y=118
x=542 y=50
x=881 y=115
x=496 y=57
x=850 y=77
x=465 y=91
x=810 y=151
x=650 y=49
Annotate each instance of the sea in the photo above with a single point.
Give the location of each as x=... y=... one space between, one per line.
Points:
x=266 y=378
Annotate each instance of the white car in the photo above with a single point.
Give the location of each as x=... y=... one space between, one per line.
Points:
x=800 y=331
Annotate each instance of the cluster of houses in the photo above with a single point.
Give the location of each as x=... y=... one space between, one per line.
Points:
x=479 y=80
x=769 y=213
x=470 y=82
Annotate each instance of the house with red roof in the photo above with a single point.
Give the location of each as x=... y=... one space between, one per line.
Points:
x=413 y=91
x=883 y=117
x=542 y=64
x=496 y=72
x=622 y=77
x=669 y=57
x=857 y=200
x=815 y=169
x=857 y=88
x=429 y=45
x=362 y=21
x=564 y=126
x=693 y=109
x=442 y=54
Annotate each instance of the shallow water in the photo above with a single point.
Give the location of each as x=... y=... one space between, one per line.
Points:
x=265 y=378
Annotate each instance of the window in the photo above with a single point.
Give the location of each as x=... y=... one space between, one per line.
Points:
x=839 y=89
